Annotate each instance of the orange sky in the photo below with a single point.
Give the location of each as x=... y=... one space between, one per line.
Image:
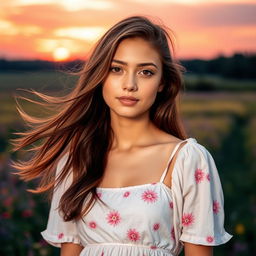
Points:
x=34 y=29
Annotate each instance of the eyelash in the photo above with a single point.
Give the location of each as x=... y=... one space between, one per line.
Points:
x=149 y=72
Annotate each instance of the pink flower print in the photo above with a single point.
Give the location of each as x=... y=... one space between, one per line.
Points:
x=92 y=224
x=171 y=205
x=187 y=219
x=153 y=247
x=156 y=226
x=99 y=194
x=199 y=175
x=133 y=235
x=208 y=177
x=60 y=235
x=102 y=254
x=113 y=218
x=172 y=234
x=149 y=196
x=209 y=239
x=153 y=183
x=216 y=207
x=126 y=194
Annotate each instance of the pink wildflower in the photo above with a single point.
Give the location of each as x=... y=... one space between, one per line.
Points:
x=133 y=235
x=171 y=205
x=6 y=215
x=199 y=175
x=149 y=196
x=153 y=247
x=216 y=207
x=187 y=219
x=8 y=202
x=27 y=213
x=113 y=218
x=208 y=177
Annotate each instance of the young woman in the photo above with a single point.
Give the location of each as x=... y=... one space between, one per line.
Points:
x=127 y=180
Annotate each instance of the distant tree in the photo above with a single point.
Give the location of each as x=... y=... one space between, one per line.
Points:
x=238 y=66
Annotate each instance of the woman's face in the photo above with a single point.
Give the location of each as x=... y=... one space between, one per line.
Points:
x=136 y=71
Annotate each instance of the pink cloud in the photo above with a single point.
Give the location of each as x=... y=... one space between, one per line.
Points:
x=202 y=30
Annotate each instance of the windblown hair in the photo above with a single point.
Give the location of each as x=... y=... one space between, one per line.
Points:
x=81 y=126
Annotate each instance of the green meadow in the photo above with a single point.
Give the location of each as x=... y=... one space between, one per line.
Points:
x=220 y=113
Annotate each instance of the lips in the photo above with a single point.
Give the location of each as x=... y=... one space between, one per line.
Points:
x=128 y=98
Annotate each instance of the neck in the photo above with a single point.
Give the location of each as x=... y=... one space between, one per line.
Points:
x=129 y=133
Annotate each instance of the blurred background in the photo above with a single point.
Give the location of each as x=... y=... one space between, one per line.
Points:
x=215 y=41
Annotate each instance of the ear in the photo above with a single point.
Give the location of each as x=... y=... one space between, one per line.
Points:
x=160 y=88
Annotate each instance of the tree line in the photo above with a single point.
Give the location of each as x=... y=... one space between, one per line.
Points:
x=238 y=66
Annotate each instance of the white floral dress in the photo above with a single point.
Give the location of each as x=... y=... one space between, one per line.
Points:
x=150 y=219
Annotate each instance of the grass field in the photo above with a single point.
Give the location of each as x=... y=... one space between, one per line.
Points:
x=224 y=122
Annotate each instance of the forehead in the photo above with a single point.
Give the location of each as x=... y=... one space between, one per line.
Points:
x=137 y=50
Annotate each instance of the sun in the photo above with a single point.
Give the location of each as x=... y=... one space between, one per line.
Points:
x=61 y=54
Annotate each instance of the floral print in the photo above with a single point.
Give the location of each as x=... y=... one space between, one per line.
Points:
x=113 y=218
x=92 y=224
x=209 y=239
x=150 y=216
x=199 y=175
x=172 y=234
x=149 y=196
x=60 y=235
x=216 y=207
x=126 y=194
x=133 y=235
x=187 y=219
x=99 y=194
x=156 y=226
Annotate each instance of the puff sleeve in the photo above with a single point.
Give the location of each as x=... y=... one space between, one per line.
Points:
x=198 y=197
x=58 y=231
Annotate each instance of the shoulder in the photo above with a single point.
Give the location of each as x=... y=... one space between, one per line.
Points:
x=194 y=164
x=193 y=150
x=193 y=156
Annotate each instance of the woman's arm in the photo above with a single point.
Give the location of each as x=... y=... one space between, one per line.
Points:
x=70 y=249
x=197 y=250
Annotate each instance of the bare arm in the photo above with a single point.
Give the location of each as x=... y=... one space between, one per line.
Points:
x=70 y=249
x=197 y=250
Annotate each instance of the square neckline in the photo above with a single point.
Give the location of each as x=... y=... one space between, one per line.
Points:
x=150 y=183
x=117 y=189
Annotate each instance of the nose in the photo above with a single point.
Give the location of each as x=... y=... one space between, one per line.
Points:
x=130 y=83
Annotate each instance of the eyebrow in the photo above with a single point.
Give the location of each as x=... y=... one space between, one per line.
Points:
x=139 y=65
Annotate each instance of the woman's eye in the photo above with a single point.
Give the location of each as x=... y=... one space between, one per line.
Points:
x=115 y=69
x=147 y=72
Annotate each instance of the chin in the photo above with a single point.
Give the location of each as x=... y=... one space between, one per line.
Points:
x=129 y=114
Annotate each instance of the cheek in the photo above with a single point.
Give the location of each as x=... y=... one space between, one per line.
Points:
x=151 y=90
x=108 y=91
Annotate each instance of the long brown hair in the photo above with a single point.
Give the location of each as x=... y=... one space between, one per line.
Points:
x=81 y=127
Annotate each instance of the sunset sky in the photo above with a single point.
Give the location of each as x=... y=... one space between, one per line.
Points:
x=63 y=29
